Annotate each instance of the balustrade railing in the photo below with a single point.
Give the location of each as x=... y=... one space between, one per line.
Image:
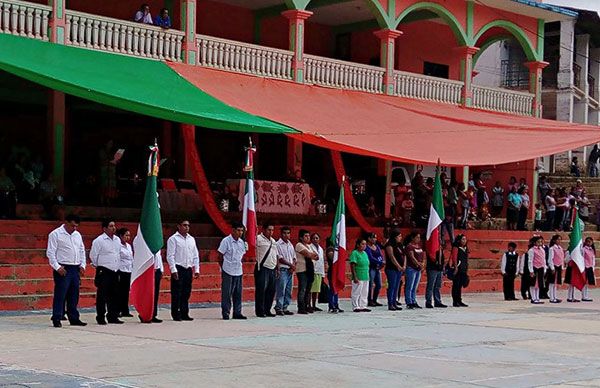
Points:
x=342 y=74
x=121 y=36
x=244 y=57
x=502 y=100
x=427 y=88
x=24 y=19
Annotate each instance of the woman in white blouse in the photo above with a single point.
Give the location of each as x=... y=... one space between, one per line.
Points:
x=124 y=272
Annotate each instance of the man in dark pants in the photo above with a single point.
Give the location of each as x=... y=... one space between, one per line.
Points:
x=66 y=255
x=231 y=250
x=264 y=272
x=184 y=262
x=158 y=274
x=105 y=257
x=509 y=269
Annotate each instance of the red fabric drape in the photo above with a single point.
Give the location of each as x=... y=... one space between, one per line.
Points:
x=353 y=208
x=389 y=127
x=206 y=194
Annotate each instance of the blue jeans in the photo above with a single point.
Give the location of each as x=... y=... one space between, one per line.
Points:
x=285 y=282
x=413 y=277
x=66 y=287
x=434 y=283
x=393 y=278
x=231 y=291
x=374 y=284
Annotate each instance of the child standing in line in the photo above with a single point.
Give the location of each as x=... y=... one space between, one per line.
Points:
x=510 y=269
x=589 y=258
x=524 y=272
x=556 y=261
x=537 y=224
x=537 y=269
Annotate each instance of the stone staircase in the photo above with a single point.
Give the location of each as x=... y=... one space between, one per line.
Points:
x=26 y=278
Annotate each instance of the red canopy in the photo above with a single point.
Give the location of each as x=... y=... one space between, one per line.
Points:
x=391 y=127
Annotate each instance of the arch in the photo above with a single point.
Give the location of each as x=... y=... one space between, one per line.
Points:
x=443 y=13
x=516 y=31
x=488 y=43
x=383 y=18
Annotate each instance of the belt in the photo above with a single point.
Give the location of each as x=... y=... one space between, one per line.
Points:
x=69 y=265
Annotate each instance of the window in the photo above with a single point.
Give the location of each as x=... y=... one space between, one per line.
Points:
x=436 y=70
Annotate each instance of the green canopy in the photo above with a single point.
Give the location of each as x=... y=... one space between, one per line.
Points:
x=139 y=85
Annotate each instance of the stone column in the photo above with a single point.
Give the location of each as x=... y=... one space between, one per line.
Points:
x=296 y=35
x=564 y=87
x=535 y=85
x=56 y=100
x=188 y=25
x=387 y=38
x=187 y=168
x=297 y=20
x=466 y=73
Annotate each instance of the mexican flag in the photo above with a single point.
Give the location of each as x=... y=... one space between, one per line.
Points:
x=436 y=215
x=338 y=241
x=576 y=255
x=249 y=212
x=147 y=242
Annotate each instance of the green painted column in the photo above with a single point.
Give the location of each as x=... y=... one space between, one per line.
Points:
x=535 y=85
x=188 y=25
x=387 y=38
x=296 y=35
x=56 y=100
x=466 y=73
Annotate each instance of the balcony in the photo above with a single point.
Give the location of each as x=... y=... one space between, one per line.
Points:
x=146 y=41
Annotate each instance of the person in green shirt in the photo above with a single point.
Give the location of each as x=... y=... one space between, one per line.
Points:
x=359 y=263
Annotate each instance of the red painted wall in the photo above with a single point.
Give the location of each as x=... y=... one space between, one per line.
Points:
x=365 y=46
x=485 y=15
x=319 y=40
x=124 y=9
x=274 y=32
x=427 y=41
x=225 y=21
x=457 y=7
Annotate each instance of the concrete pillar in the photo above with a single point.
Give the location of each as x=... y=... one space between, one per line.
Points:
x=188 y=171
x=466 y=73
x=188 y=25
x=296 y=40
x=297 y=20
x=594 y=71
x=535 y=85
x=387 y=38
x=56 y=100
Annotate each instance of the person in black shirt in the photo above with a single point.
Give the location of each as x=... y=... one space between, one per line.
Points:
x=509 y=268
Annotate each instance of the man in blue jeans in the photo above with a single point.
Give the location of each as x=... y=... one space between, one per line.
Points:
x=435 y=268
x=231 y=250
x=286 y=256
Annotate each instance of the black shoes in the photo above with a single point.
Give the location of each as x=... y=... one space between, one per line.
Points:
x=115 y=321
x=316 y=309
x=461 y=304
x=303 y=312
x=77 y=323
x=270 y=314
x=280 y=313
x=285 y=312
x=187 y=318
x=428 y=305
x=239 y=317
x=100 y=321
x=56 y=324
x=441 y=305
x=156 y=320
x=177 y=319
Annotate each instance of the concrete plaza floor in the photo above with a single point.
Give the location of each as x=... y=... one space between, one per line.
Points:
x=492 y=343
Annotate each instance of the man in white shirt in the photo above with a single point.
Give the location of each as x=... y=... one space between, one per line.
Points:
x=105 y=256
x=183 y=259
x=158 y=274
x=264 y=272
x=66 y=255
x=286 y=256
x=231 y=250
x=143 y=15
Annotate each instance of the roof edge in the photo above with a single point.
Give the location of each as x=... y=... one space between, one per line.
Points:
x=549 y=7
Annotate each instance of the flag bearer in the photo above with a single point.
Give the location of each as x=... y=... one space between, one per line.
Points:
x=184 y=263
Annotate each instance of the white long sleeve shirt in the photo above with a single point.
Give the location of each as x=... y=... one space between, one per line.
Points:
x=125 y=258
x=65 y=249
x=106 y=252
x=531 y=254
x=182 y=251
x=158 y=262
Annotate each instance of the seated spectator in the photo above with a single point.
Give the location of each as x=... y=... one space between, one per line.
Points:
x=575 y=167
x=163 y=20
x=578 y=190
x=8 y=198
x=143 y=15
